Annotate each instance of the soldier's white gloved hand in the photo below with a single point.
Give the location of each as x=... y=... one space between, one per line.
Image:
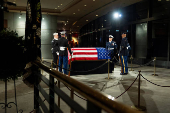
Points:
x=118 y=54
x=57 y=53
x=127 y=47
x=51 y=48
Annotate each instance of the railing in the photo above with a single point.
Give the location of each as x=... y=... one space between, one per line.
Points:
x=96 y=101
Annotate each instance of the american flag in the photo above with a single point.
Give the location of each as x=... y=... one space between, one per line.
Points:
x=88 y=54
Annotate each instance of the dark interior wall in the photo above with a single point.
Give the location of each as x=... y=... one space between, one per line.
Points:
x=148 y=26
x=141 y=40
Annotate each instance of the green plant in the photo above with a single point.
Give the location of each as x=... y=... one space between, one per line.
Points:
x=13 y=59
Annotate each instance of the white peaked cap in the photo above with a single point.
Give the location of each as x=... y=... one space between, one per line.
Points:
x=63 y=32
x=110 y=36
x=55 y=33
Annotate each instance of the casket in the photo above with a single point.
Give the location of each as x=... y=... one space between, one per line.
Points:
x=89 y=61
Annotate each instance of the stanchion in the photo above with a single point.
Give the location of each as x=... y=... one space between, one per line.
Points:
x=155 y=67
x=108 y=71
x=131 y=58
x=139 y=107
x=70 y=66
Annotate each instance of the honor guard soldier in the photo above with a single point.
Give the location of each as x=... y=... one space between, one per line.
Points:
x=110 y=47
x=63 y=53
x=123 y=54
x=55 y=49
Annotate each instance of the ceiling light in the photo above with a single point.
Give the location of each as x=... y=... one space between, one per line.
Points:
x=93 y=0
x=74 y=13
x=85 y=5
x=55 y=8
x=67 y=20
x=14 y=2
x=43 y=18
x=58 y=6
x=97 y=15
x=77 y=26
x=87 y=20
x=104 y=20
x=65 y=24
x=61 y=4
x=19 y=17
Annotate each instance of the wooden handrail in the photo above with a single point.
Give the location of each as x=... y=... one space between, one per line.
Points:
x=90 y=94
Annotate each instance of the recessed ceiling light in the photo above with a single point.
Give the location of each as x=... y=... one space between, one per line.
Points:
x=77 y=26
x=43 y=18
x=104 y=20
x=55 y=8
x=93 y=0
x=58 y=6
x=97 y=15
x=61 y=4
x=14 y=2
x=74 y=13
x=85 y=5
x=87 y=20
x=67 y=21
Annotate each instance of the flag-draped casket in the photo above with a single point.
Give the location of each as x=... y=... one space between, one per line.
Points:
x=89 y=61
x=97 y=53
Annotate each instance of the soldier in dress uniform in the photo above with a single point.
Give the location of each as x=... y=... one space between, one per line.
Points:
x=123 y=54
x=110 y=47
x=63 y=53
x=55 y=49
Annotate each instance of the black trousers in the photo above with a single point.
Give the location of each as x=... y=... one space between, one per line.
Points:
x=55 y=58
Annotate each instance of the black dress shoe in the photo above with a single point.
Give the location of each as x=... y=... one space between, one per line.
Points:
x=122 y=74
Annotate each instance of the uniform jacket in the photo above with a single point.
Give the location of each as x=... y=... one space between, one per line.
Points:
x=55 y=47
x=63 y=45
x=110 y=47
x=123 y=47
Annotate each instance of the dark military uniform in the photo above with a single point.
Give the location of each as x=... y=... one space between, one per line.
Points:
x=123 y=53
x=55 y=49
x=63 y=54
x=110 y=47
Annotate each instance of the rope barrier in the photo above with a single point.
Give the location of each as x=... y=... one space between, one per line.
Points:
x=75 y=93
x=140 y=65
x=154 y=83
x=79 y=71
x=128 y=87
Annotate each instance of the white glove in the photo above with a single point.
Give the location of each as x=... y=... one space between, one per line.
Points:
x=118 y=54
x=127 y=47
x=57 y=53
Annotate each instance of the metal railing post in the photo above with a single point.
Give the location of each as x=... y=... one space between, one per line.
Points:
x=36 y=95
x=92 y=108
x=51 y=95
x=59 y=96
x=72 y=97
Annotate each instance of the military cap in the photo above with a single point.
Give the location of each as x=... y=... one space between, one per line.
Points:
x=110 y=36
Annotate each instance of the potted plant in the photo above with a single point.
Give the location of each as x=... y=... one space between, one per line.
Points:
x=13 y=59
